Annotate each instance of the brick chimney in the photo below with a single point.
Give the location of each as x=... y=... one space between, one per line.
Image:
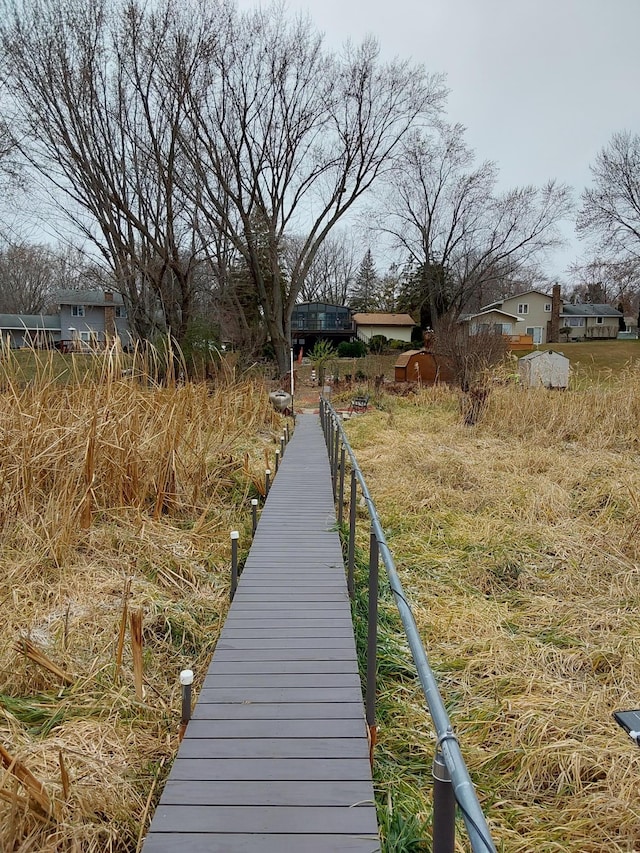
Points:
x=553 y=333
x=109 y=315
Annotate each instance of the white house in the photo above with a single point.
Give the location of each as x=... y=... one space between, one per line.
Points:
x=393 y=326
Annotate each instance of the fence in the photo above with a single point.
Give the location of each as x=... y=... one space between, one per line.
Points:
x=452 y=783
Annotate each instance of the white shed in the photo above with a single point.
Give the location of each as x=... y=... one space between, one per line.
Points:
x=546 y=369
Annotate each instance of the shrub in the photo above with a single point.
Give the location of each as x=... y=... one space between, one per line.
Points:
x=351 y=349
x=377 y=343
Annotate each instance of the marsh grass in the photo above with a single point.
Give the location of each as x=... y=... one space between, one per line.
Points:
x=517 y=542
x=118 y=488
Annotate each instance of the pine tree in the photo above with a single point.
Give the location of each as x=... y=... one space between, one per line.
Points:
x=364 y=296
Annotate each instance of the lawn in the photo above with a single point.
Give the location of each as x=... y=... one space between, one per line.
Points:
x=597 y=360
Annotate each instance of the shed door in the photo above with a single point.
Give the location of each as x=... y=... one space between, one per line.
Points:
x=536 y=333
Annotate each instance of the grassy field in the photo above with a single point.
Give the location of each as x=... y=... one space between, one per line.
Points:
x=517 y=541
x=116 y=503
x=593 y=361
x=599 y=360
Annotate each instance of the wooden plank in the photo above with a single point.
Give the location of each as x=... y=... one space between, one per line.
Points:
x=261 y=793
x=268 y=769
x=311 y=640
x=298 y=633
x=313 y=655
x=280 y=694
x=321 y=681
x=292 y=728
x=167 y=842
x=278 y=711
x=324 y=747
x=278 y=666
x=280 y=819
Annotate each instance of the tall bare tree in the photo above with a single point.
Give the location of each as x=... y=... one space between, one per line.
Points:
x=292 y=136
x=610 y=211
x=28 y=277
x=96 y=117
x=332 y=271
x=444 y=213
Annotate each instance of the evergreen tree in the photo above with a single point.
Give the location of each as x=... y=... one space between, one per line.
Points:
x=364 y=296
x=425 y=293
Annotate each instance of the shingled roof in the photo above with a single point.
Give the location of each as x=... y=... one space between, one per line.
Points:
x=383 y=320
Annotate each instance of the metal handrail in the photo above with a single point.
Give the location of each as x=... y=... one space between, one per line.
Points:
x=446 y=742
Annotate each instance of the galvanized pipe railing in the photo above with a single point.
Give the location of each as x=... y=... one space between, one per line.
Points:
x=449 y=769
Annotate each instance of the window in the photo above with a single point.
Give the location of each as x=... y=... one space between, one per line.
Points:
x=523 y=308
x=77 y=310
x=600 y=320
x=547 y=306
x=121 y=311
x=576 y=321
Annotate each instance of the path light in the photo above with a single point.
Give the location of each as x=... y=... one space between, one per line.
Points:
x=234 y=563
x=254 y=515
x=186 y=680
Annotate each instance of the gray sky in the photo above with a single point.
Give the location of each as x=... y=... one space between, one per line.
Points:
x=541 y=85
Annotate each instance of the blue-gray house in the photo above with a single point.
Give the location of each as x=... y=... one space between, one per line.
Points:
x=85 y=320
x=91 y=318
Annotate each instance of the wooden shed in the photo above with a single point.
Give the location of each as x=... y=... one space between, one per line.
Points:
x=422 y=366
x=544 y=368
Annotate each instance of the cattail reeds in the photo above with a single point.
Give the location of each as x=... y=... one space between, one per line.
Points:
x=35 y=654
x=117 y=479
x=33 y=787
x=135 y=625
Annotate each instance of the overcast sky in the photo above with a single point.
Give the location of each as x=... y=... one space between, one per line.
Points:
x=541 y=85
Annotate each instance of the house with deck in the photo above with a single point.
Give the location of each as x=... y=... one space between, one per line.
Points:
x=545 y=318
x=84 y=320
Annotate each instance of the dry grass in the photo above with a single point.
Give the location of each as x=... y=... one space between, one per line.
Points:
x=116 y=501
x=518 y=543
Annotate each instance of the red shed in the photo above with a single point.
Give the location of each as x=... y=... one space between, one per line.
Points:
x=419 y=365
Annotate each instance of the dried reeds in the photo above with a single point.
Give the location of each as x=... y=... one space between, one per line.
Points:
x=517 y=542
x=84 y=465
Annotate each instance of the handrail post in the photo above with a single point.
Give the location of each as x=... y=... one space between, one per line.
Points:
x=234 y=563
x=372 y=643
x=444 y=807
x=352 y=532
x=343 y=453
x=334 y=466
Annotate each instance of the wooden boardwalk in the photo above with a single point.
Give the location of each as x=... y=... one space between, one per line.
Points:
x=275 y=758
